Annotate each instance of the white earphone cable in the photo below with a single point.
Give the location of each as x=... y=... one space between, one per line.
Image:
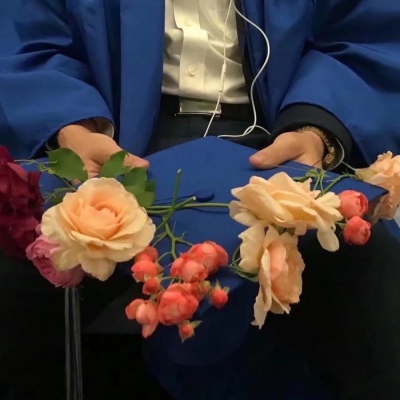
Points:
x=252 y=87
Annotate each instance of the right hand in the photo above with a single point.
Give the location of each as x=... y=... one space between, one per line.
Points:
x=94 y=148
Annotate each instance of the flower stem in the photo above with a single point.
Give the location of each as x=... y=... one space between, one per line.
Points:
x=173 y=240
x=333 y=183
x=235 y=256
x=160 y=239
x=205 y=205
x=164 y=255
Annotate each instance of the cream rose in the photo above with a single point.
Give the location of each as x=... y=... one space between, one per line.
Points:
x=385 y=173
x=280 y=266
x=285 y=203
x=97 y=226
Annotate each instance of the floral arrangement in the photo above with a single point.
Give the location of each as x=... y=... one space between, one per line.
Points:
x=89 y=224
x=87 y=229
x=279 y=210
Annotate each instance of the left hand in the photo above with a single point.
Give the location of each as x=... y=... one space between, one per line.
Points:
x=304 y=147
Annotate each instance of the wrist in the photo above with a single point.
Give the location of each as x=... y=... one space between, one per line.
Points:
x=64 y=135
x=330 y=149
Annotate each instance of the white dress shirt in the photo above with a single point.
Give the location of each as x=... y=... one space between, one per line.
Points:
x=194 y=48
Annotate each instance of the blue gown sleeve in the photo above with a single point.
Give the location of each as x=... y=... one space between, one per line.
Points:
x=45 y=83
x=351 y=69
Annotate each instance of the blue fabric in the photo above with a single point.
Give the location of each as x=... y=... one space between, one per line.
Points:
x=80 y=59
x=222 y=346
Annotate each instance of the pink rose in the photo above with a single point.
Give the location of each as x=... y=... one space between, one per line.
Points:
x=144 y=268
x=150 y=253
x=39 y=252
x=219 y=297
x=352 y=204
x=175 y=270
x=176 y=304
x=189 y=270
x=357 y=231
x=145 y=313
x=210 y=254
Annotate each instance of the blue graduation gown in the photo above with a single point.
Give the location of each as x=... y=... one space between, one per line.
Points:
x=63 y=61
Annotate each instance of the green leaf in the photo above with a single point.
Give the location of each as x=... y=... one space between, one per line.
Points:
x=151 y=185
x=146 y=199
x=57 y=200
x=135 y=176
x=195 y=324
x=67 y=165
x=114 y=166
x=135 y=181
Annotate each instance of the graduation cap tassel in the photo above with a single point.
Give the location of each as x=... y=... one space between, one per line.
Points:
x=73 y=348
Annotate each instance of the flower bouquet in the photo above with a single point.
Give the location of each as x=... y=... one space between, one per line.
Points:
x=86 y=226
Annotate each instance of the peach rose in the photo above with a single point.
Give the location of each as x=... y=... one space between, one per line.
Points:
x=285 y=203
x=97 y=226
x=279 y=265
x=385 y=173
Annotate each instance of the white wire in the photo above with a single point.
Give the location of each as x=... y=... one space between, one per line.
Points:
x=223 y=74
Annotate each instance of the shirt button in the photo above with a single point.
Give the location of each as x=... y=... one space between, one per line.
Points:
x=188 y=22
x=192 y=70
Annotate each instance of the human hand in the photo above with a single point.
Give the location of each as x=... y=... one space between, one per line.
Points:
x=304 y=147
x=94 y=148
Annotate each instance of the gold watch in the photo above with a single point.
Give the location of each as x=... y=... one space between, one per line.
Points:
x=331 y=146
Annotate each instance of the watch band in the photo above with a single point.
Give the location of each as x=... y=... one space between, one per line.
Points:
x=331 y=146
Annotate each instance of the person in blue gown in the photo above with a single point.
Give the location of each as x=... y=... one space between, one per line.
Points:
x=103 y=75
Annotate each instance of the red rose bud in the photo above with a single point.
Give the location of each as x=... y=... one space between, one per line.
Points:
x=150 y=253
x=186 y=330
x=151 y=286
x=219 y=297
x=145 y=313
x=353 y=204
x=357 y=231
x=144 y=268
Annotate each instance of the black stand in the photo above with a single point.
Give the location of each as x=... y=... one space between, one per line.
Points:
x=73 y=348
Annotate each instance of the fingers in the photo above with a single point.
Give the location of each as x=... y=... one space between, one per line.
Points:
x=301 y=147
x=107 y=147
x=285 y=147
x=136 y=162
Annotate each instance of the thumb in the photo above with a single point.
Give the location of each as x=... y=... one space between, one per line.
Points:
x=135 y=162
x=277 y=153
